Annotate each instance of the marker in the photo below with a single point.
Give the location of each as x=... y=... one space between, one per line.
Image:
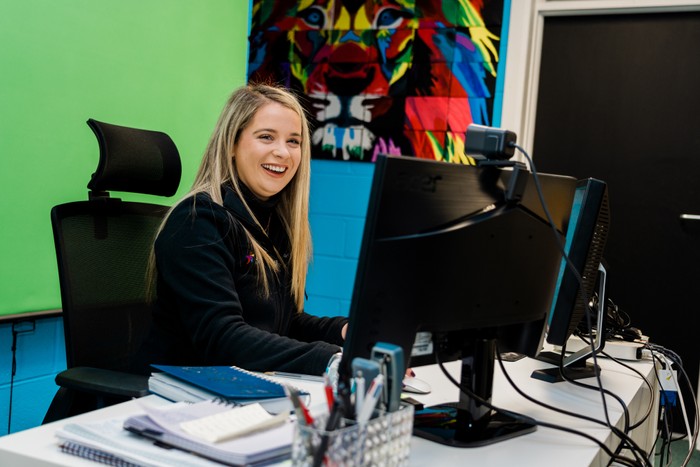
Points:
x=373 y=394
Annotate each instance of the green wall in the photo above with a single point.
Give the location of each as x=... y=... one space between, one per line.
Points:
x=165 y=65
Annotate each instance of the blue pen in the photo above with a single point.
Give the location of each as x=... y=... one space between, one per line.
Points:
x=373 y=395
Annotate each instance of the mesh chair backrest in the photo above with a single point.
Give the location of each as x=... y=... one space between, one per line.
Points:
x=135 y=160
x=103 y=245
x=103 y=248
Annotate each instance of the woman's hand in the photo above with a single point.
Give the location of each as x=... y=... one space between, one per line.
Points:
x=344 y=331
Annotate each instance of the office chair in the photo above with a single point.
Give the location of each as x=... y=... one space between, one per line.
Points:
x=102 y=248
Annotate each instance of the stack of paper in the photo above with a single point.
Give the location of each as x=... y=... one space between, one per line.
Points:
x=128 y=441
x=165 y=425
x=108 y=443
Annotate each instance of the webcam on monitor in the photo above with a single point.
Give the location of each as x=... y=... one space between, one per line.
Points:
x=494 y=147
x=484 y=142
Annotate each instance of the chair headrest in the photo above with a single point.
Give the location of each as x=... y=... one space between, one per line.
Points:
x=135 y=161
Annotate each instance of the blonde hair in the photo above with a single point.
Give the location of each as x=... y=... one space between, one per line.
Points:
x=217 y=168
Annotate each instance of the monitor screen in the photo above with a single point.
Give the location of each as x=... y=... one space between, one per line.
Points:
x=447 y=257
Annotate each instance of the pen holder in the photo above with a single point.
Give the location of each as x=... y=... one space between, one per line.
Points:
x=384 y=440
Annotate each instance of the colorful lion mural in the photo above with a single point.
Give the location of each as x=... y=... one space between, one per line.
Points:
x=382 y=76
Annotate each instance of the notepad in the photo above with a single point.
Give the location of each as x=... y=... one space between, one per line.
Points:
x=164 y=425
x=239 y=421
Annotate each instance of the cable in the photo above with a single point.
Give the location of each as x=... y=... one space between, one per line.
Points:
x=680 y=399
x=623 y=319
x=666 y=411
x=649 y=386
x=618 y=458
x=581 y=290
x=665 y=434
x=669 y=354
x=623 y=435
x=666 y=418
x=660 y=431
x=617 y=323
x=15 y=333
x=643 y=378
x=621 y=322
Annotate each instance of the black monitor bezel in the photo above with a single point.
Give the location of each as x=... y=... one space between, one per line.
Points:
x=585 y=251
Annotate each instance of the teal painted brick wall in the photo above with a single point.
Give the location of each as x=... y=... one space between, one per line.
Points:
x=338 y=204
x=40 y=355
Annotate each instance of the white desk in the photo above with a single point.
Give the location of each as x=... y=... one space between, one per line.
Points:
x=545 y=447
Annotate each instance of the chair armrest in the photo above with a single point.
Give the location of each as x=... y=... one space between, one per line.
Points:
x=105 y=382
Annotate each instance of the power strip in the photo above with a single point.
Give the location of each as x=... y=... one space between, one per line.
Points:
x=622 y=350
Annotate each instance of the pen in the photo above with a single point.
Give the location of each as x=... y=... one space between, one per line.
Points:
x=343 y=394
x=333 y=422
x=373 y=394
x=329 y=391
x=303 y=415
x=359 y=392
x=301 y=376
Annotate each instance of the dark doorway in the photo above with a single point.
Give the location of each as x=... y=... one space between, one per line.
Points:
x=619 y=100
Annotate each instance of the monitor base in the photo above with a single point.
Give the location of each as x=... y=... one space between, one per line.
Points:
x=438 y=424
x=577 y=370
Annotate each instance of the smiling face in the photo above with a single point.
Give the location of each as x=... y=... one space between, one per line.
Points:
x=268 y=151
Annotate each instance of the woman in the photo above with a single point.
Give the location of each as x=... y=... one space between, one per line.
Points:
x=231 y=258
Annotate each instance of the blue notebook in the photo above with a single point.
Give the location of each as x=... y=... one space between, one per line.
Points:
x=228 y=382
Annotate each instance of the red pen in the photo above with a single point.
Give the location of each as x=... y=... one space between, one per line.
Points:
x=303 y=414
x=307 y=415
x=329 y=391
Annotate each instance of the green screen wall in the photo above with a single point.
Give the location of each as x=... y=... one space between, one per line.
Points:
x=165 y=65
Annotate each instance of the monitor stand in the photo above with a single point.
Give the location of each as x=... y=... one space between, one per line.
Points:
x=469 y=423
x=574 y=366
x=578 y=369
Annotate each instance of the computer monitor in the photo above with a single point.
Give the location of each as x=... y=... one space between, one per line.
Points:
x=585 y=245
x=446 y=255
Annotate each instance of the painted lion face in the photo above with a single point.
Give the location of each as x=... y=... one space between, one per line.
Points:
x=370 y=71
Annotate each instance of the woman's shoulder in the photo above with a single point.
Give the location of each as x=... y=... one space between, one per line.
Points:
x=197 y=215
x=196 y=205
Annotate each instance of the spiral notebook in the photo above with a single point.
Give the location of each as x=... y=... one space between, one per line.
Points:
x=107 y=442
x=233 y=384
x=103 y=457
x=228 y=382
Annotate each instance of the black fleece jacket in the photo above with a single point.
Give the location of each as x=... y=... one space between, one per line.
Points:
x=209 y=308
